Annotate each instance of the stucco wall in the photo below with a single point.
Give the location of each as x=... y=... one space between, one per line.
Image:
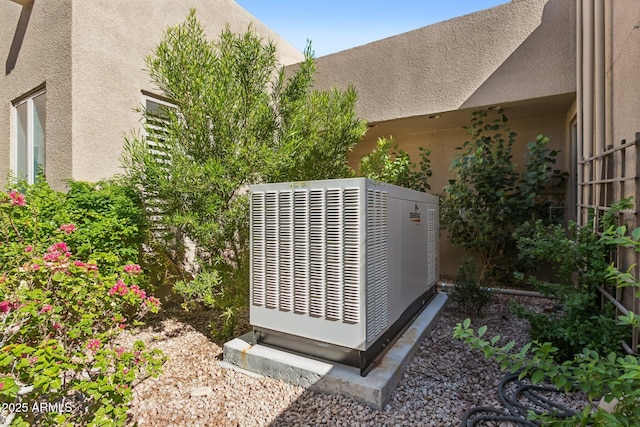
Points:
x=35 y=49
x=443 y=144
x=622 y=20
x=519 y=50
x=91 y=56
x=111 y=40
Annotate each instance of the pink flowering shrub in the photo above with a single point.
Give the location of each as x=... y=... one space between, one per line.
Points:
x=16 y=198
x=59 y=317
x=68 y=228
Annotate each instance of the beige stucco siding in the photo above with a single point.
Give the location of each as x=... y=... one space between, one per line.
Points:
x=520 y=56
x=622 y=21
x=35 y=49
x=109 y=67
x=519 y=50
x=90 y=55
x=443 y=143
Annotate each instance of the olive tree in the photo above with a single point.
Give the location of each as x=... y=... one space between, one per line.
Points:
x=237 y=119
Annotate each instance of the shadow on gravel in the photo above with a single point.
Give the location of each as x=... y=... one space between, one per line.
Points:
x=199 y=318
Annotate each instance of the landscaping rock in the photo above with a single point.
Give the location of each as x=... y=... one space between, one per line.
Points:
x=201 y=391
x=444 y=379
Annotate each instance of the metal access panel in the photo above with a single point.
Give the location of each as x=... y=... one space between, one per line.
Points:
x=339 y=263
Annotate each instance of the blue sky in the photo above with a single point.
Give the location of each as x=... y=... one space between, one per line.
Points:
x=334 y=25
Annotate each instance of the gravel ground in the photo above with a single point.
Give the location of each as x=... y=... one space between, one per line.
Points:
x=444 y=379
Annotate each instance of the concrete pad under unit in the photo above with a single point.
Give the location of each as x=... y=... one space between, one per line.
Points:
x=334 y=378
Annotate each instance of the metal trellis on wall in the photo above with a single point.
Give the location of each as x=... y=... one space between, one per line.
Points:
x=604 y=179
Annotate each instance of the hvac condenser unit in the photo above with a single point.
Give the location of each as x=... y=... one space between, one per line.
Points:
x=339 y=267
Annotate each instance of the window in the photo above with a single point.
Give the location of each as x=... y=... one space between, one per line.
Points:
x=155 y=125
x=29 y=118
x=155 y=134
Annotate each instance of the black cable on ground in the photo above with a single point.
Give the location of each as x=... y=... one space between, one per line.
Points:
x=518 y=398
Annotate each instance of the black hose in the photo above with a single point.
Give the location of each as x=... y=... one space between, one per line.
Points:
x=518 y=398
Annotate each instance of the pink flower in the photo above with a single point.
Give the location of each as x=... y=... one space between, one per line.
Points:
x=68 y=228
x=136 y=290
x=94 y=345
x=1 y=386
x=79 y=263
x=28 y=249
x=53 y=256
x=154 y=302
x=60 y=246
x=91 y=266
x=132 y=269
x=119 y=351
x=56 y=326
x=17 y=199
x=57 y=252
x=46 y=308
x=35 y=267
x=119 y=288
x=5 y=306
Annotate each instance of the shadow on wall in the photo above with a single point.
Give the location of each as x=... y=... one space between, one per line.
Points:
x=18 y=37
x=533 y=69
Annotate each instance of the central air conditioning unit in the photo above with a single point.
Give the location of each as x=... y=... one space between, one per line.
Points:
x=340 y=267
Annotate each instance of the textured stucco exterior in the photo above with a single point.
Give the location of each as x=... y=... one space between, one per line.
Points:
x=608 y=113
x=622 y=26
x=537 y=59
x=422 y=86
x=91 y=57
x=444 y=141
x=524 y=49
x=35 y=46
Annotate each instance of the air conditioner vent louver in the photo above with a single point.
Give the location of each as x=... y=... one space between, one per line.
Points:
x=431 y=238
x=316 y=253
x=285 y=240
x=310 y=240
x=301 y=252
x=339 y=262
x=258 y=249
x=351 y=255
x=376 y=261
x=272 y=251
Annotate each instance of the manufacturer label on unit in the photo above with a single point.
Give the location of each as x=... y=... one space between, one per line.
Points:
x=415 y=215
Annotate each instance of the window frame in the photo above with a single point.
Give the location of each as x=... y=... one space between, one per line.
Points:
x=153 y=146
x=28 y=99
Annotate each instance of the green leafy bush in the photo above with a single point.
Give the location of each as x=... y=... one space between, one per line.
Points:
x=109 y=225
x=59 y=315
x=468 y=292
x=581 y=324
x=489 y=198
x=237 y=120
x=578 y=258
x=388 y=164
x=610 y=376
